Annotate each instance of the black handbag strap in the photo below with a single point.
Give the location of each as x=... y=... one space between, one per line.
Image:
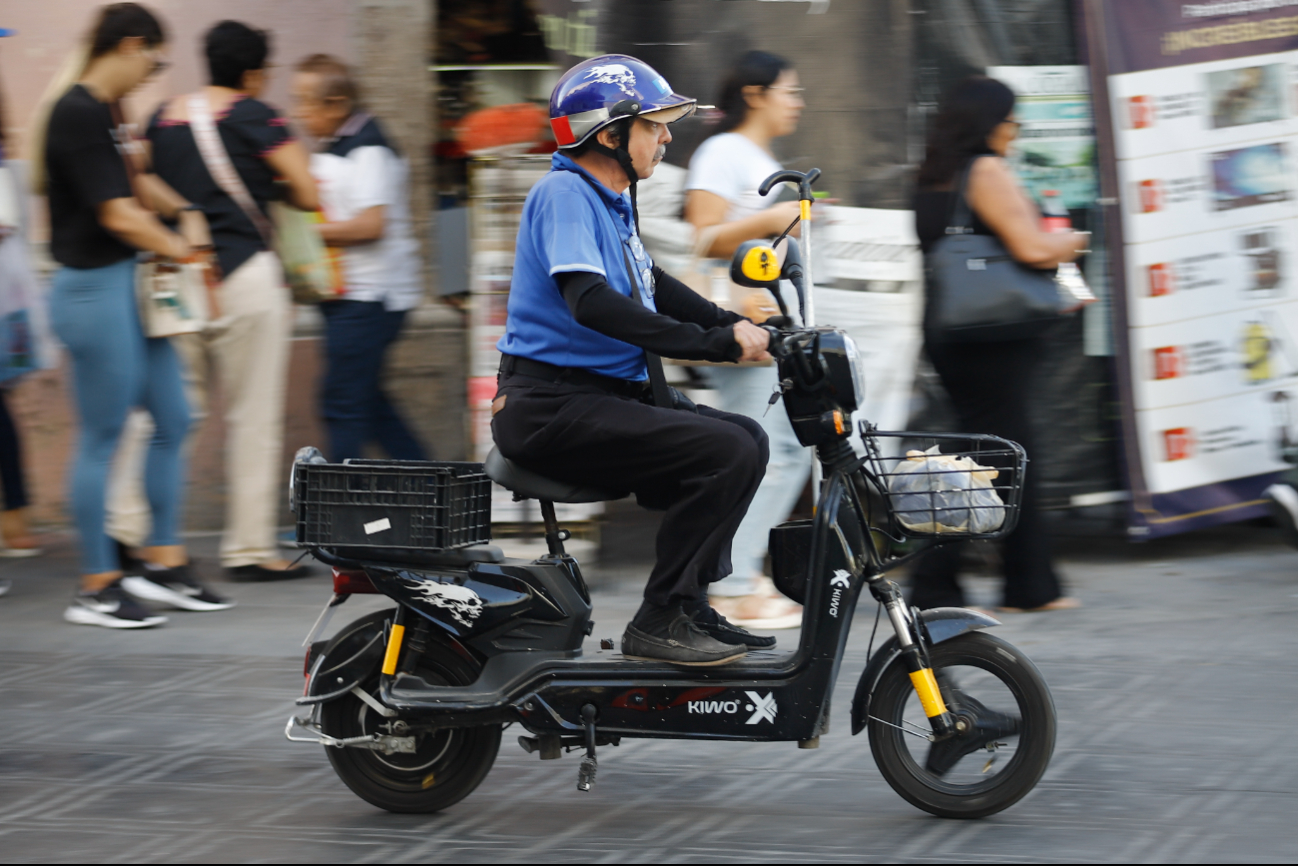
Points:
x=960 y=220
x=654 y=364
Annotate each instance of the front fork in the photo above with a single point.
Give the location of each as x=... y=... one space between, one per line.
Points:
x=916 y=656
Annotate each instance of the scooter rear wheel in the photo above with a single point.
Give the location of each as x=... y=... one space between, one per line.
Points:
x=1004 y=701
x=447 y=764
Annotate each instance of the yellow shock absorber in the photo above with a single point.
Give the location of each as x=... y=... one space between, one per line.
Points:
x=394 y=652
x=806 y=209
x=929 y=695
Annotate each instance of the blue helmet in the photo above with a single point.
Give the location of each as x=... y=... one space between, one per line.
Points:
x=599 y=91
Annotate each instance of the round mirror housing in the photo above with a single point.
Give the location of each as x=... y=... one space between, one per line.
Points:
x=755 y=265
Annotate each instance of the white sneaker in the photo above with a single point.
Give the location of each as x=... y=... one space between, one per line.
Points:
x=110 y=607
x=176 y=587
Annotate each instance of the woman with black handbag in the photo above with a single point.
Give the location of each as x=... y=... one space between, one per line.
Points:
x=986 y=363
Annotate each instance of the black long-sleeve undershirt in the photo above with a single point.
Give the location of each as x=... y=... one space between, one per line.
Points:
x=687 y=326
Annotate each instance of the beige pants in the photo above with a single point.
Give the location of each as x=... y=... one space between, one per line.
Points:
x=248 y=348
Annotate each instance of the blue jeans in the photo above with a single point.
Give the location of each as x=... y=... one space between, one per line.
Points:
x=746 y=391
x=114 y=369
x=355 y=409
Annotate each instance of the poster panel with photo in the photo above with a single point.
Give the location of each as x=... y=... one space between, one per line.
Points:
x=1198 y=118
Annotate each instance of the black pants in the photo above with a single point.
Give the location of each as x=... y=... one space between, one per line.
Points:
x=11 y=461
x=988 y=383
x=702 y=469
x=355 y=409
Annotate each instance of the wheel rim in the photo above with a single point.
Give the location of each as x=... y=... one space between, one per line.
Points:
x=976 y=691
x=429 y=747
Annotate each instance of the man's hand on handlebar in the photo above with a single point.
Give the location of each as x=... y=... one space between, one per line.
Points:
x=754 y=341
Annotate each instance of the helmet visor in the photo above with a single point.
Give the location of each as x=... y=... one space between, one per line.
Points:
x=672 y=114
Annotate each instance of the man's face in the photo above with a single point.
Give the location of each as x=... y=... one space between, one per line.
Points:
x=319 y=117
x=648 y=145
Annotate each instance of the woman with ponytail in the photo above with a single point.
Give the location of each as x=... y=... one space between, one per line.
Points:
x=97 y=227
x=760 y=101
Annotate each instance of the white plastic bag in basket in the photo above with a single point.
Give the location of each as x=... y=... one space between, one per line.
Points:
x=941 y=493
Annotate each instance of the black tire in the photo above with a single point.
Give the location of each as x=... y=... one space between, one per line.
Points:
x=1035 y=740
x=445 y=768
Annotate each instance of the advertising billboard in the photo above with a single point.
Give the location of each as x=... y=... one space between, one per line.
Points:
x=1197 y=108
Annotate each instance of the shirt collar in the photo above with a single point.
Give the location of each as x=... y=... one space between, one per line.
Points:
x=352 y=125
x=620 y=201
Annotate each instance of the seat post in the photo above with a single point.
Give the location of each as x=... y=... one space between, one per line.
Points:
x=553 y=534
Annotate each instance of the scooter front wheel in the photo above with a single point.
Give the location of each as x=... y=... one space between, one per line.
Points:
x=1007 y=719
x=447 y=764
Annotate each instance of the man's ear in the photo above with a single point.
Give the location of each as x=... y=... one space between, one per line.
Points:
x=608 y=138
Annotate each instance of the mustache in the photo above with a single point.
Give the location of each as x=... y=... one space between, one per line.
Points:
x=660 y=153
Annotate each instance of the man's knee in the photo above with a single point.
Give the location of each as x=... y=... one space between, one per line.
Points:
x=744 y=451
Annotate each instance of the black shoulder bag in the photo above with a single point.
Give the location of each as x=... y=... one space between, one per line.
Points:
x=978 y=292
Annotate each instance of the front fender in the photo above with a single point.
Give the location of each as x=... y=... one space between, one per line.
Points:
x=939 y=624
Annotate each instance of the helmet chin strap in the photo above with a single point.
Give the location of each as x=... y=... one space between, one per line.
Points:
x=628 y=109
x=623 y=158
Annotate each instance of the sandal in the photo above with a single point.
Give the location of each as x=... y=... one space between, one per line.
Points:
x=1064 y=602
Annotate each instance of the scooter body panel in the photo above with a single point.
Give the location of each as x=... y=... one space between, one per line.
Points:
x=495 y=608
x=767 y=696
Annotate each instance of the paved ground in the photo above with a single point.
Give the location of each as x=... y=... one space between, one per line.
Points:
x=1175 y=687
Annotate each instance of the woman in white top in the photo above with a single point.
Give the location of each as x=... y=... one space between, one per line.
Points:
x=761 y=101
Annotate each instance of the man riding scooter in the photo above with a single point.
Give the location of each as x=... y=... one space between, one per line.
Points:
x=582 y=397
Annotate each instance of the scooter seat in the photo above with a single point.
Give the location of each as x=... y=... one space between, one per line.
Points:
x=527 y=484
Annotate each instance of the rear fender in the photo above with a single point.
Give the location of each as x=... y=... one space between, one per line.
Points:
x=939 y=624
x=346 y=664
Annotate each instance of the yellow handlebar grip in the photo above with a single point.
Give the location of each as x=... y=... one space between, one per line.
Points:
x=806 y=209
x=394 y=651
x=929 y=695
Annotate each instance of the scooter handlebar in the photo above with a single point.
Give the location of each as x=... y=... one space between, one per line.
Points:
x=804 y=182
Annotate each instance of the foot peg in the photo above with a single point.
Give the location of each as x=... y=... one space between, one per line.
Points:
x=589 y=764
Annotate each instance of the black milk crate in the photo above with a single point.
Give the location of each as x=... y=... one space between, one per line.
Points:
x=411 y=504
x=969 y=486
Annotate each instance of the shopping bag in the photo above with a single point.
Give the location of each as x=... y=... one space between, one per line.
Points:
x=941 y=493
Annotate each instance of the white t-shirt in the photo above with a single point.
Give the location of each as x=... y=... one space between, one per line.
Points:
x=365 y=175
x=732 y=166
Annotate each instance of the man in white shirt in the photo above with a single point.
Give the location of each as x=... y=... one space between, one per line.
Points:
x=363 y=187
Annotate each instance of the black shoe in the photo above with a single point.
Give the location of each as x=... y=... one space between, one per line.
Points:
x=261 y=574
x=173 y=586
x=716 y=626
x=681 y=642
x=110 y=607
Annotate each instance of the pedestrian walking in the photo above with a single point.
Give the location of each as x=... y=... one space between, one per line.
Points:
x=363 y=190
x=988 y=381
x=18 y=354
x=761 y=100
x=246 y=349
x=97 y=225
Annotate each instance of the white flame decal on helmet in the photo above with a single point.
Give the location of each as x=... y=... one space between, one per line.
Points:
x=613 y=73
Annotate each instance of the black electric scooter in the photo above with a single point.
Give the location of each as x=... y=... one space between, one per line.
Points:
x=410 y=702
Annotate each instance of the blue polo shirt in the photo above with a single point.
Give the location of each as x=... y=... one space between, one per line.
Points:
x=570 y=225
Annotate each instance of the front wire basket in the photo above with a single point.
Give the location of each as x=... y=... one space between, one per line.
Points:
x=944 y=485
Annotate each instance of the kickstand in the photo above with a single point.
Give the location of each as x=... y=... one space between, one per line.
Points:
x=589 y=764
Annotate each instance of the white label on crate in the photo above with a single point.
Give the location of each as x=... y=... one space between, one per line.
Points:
x=378 y=526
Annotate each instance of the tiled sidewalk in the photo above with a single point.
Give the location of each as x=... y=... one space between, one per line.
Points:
x=1175 y=687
